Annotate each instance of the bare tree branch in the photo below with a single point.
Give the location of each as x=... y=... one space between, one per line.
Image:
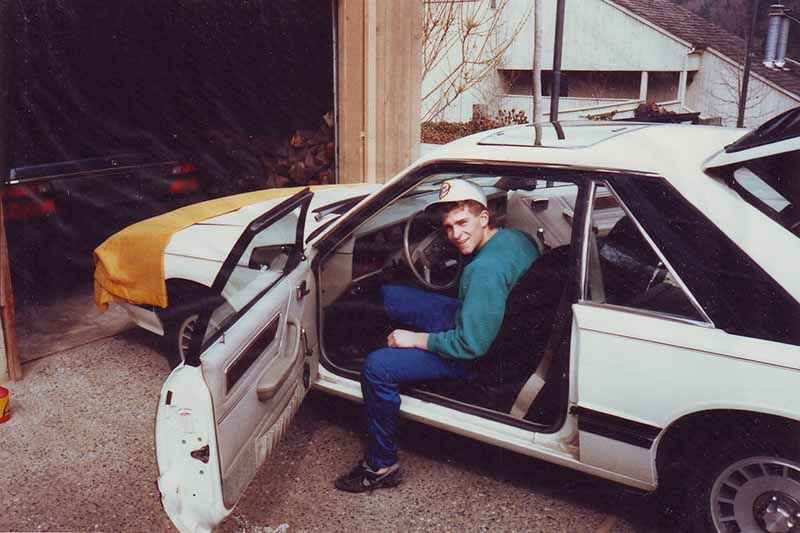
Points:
x=729 y=95
x=463 y=42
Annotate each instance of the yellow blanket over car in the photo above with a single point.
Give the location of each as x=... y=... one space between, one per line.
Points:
x=129 y=265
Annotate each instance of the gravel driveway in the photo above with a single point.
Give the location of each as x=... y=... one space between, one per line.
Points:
x=78 y=455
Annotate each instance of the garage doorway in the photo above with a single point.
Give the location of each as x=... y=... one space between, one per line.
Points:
x=125 y=110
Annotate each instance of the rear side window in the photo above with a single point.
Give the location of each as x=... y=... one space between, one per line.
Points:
x=771 y=184
x=732 y=289
x=625 y=271
x=760 y=189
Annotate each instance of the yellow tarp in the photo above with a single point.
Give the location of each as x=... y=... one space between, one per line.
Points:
x=129 y=265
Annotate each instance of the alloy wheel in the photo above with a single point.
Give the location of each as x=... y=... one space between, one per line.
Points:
x=757 y=494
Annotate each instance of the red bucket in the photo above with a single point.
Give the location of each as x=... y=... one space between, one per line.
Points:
x=5 y=410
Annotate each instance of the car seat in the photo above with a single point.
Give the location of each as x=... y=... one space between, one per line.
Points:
x=516 y=351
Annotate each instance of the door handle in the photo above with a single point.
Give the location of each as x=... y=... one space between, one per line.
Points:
x=278 y=372
x=308 y=352
x=275 y=376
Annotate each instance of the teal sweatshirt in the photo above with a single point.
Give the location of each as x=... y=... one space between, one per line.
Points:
x=483 y=289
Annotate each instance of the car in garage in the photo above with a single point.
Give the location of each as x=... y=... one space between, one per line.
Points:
x=654 y=343
x=56 y=213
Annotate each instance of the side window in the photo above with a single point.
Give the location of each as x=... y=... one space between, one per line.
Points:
x=268 y=249
x=624 y=269
x=546 y=211
x=760 y=189
x=771 y=185
x=733 y=290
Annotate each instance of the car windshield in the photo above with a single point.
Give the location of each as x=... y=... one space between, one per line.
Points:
x=772 y=184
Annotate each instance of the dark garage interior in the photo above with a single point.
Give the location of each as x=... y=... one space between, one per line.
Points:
x=124 y=110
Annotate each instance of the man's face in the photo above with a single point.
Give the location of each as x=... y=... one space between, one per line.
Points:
x=466 y=230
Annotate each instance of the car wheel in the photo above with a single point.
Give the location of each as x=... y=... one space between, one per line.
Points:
x=177 y=337
x=746 y=490
x=179 y=319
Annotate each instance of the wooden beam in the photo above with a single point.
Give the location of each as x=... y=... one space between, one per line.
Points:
x=350 y=90
x=7 y=301
x=6 y=139
x=399 y=64
x=379 y=70
x=371 y=111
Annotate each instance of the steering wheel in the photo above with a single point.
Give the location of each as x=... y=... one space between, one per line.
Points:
x=434 y=261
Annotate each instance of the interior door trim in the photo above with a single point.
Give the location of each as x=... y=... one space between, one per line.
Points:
x=250 y=354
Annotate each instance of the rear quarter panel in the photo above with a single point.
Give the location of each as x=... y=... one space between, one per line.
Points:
x=653 y=371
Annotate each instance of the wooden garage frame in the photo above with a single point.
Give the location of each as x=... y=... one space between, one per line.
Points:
x=377 y=91
x=10 y=367
x=378 y=85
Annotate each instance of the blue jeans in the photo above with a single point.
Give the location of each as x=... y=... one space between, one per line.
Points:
x=386 y=368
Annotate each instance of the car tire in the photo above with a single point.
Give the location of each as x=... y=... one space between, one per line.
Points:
x=748 y=487
x=177 y=334
x=185 y=300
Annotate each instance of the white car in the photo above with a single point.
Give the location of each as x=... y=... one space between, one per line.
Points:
x=654 y=343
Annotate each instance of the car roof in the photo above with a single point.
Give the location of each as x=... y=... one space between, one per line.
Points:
x=663 y=149
x=573 y=134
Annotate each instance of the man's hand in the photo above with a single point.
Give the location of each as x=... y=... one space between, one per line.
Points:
x=401 y=338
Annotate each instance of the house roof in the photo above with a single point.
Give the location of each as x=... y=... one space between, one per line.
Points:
x=691 y=27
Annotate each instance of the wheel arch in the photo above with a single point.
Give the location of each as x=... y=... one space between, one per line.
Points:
x=184 y=298
x=676 y=440
x=182 y=294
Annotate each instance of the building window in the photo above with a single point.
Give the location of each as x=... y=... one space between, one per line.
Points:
x=582 y=84
x=520 y=82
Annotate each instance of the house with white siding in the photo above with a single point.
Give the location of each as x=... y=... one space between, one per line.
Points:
x=618 y=54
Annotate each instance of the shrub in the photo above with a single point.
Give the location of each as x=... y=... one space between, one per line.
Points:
x=442 y=132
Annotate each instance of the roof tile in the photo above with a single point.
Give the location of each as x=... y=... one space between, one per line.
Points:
x=701 y=33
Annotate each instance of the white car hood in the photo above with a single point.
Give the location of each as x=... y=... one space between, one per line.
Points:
x=212 y=239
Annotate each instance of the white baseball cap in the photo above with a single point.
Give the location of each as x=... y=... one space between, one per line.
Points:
x=457 y=190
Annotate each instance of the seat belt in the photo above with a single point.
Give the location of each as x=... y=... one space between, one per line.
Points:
x=530 y=391
x=534 y=385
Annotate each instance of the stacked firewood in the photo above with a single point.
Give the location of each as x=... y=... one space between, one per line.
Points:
x=308 y=158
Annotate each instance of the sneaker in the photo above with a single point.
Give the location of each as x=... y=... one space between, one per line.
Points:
x=362 y=478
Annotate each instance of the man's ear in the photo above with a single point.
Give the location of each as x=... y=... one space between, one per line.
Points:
x=484 y=217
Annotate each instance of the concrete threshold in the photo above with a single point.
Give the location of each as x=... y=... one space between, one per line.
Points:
x=65 y=318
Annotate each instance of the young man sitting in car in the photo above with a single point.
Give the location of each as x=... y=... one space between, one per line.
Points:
x=447 y=335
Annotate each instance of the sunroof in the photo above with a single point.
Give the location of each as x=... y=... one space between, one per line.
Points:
x=784 y=126
x=576 y=135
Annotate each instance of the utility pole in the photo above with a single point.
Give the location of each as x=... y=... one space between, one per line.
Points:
x=555 y=90
x=748 y=60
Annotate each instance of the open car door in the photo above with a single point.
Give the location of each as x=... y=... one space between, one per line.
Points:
x=247 y=369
